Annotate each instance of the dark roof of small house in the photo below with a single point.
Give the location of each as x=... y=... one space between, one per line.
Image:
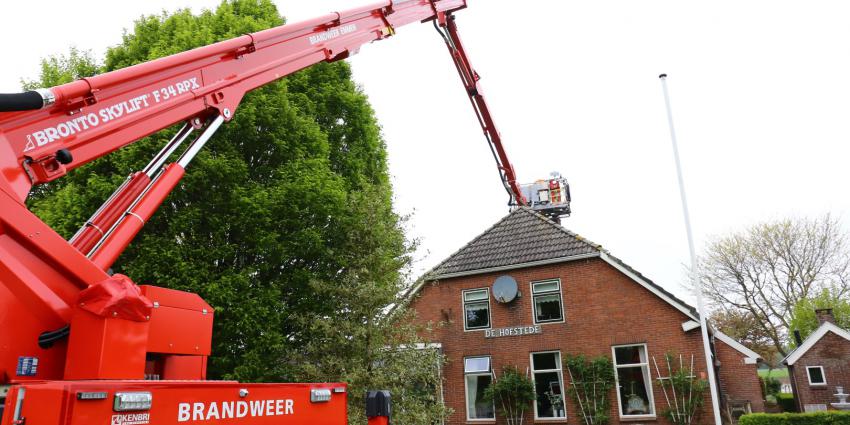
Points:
x=521 y=237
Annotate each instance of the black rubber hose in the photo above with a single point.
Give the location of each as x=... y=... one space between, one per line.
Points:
x=47 y=339
x=28 y=101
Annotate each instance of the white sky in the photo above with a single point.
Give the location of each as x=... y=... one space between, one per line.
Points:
x=760 y=91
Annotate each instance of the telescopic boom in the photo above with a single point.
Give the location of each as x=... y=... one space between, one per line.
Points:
x=48 y=286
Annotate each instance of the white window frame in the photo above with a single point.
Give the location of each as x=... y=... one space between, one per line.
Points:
x=560 y=371
x=534 y=304
x=647 y=376
x=489 y=309
x=466 y=389
x=809 y=376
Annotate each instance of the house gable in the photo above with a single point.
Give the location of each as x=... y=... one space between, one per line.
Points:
x=813 y=339
x=750 y=356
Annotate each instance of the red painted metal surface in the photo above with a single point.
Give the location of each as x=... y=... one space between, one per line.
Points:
x=379 y=420
x=41 y=274
x=137 y=216
x=46 y=282
x=97 y=227
x=176 y=402
x=96 y=115
x=195 y=316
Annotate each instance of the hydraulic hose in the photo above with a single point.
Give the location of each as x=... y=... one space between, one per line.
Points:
x=28 y=101
x=47 y=339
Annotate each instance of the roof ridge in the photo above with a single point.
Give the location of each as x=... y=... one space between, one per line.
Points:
x=480 y=235
x=569 y=232
x=479 y=252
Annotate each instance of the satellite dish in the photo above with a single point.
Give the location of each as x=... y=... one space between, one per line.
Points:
x=505 y=289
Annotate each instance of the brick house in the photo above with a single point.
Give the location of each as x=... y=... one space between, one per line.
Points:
x=571 y=297
x=820 y=364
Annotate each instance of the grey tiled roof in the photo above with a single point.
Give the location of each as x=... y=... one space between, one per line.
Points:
x=523 y=236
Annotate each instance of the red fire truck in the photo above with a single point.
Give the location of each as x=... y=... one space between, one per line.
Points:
x=82 y=346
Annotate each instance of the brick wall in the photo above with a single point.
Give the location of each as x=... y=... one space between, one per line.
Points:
x=603 y=307
x=833 y=353
x=738 y=380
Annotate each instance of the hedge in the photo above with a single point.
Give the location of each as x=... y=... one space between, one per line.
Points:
x=816 y=418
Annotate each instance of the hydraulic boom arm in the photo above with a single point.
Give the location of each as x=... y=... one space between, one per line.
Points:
x=59 y=306
x=446 y=26
x=91 y=117
x=47 y=282
x=80 y=344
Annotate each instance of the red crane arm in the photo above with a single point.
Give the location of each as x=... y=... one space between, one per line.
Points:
x=91 y=117
x=43 y=278
x=470 y=80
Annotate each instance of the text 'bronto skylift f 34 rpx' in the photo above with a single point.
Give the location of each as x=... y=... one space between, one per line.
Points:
x=80 y=345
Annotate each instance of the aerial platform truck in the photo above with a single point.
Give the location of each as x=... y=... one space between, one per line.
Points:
x=81 y=345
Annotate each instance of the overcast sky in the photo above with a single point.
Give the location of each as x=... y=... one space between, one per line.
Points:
x=760 y=93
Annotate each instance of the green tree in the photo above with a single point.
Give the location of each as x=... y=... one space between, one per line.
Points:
x=284 y=223
x=58 y=70
x=803 y=316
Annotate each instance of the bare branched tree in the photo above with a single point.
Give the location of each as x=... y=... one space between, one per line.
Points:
x=765 y=270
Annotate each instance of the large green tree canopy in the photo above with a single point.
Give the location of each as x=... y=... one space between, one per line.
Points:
x=283 y=223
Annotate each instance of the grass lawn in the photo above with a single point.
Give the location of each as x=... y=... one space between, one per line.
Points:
x=775 y=373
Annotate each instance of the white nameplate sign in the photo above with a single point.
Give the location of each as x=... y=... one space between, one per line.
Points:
x=513 y=331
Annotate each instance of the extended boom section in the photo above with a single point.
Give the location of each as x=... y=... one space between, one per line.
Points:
x=45 y=277
x=446 y=26
x=91 y=117
x=81 y=344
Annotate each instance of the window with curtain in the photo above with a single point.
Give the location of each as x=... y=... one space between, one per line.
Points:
x=634 y=384
x=547 y=301
x=548 y=385
x=476 y=307
x=478 y=375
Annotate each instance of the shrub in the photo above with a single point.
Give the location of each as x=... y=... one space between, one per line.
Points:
x=681 y=381
x=817 y=418
x=770 y=385
x=591 y=381
x=786 y=402
x=512 y=393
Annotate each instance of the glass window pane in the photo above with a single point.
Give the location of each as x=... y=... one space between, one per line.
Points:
x=634 y=398
x=475 y=295
x=551 y=285
x=630 y=355
x=476 y=364
x=550 y=398
x=548 y=307
x=476 y=407
x=543 y=361
x=477 y=315
x=816 y=375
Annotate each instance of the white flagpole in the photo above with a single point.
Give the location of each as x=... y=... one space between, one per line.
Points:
x=715 y=399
